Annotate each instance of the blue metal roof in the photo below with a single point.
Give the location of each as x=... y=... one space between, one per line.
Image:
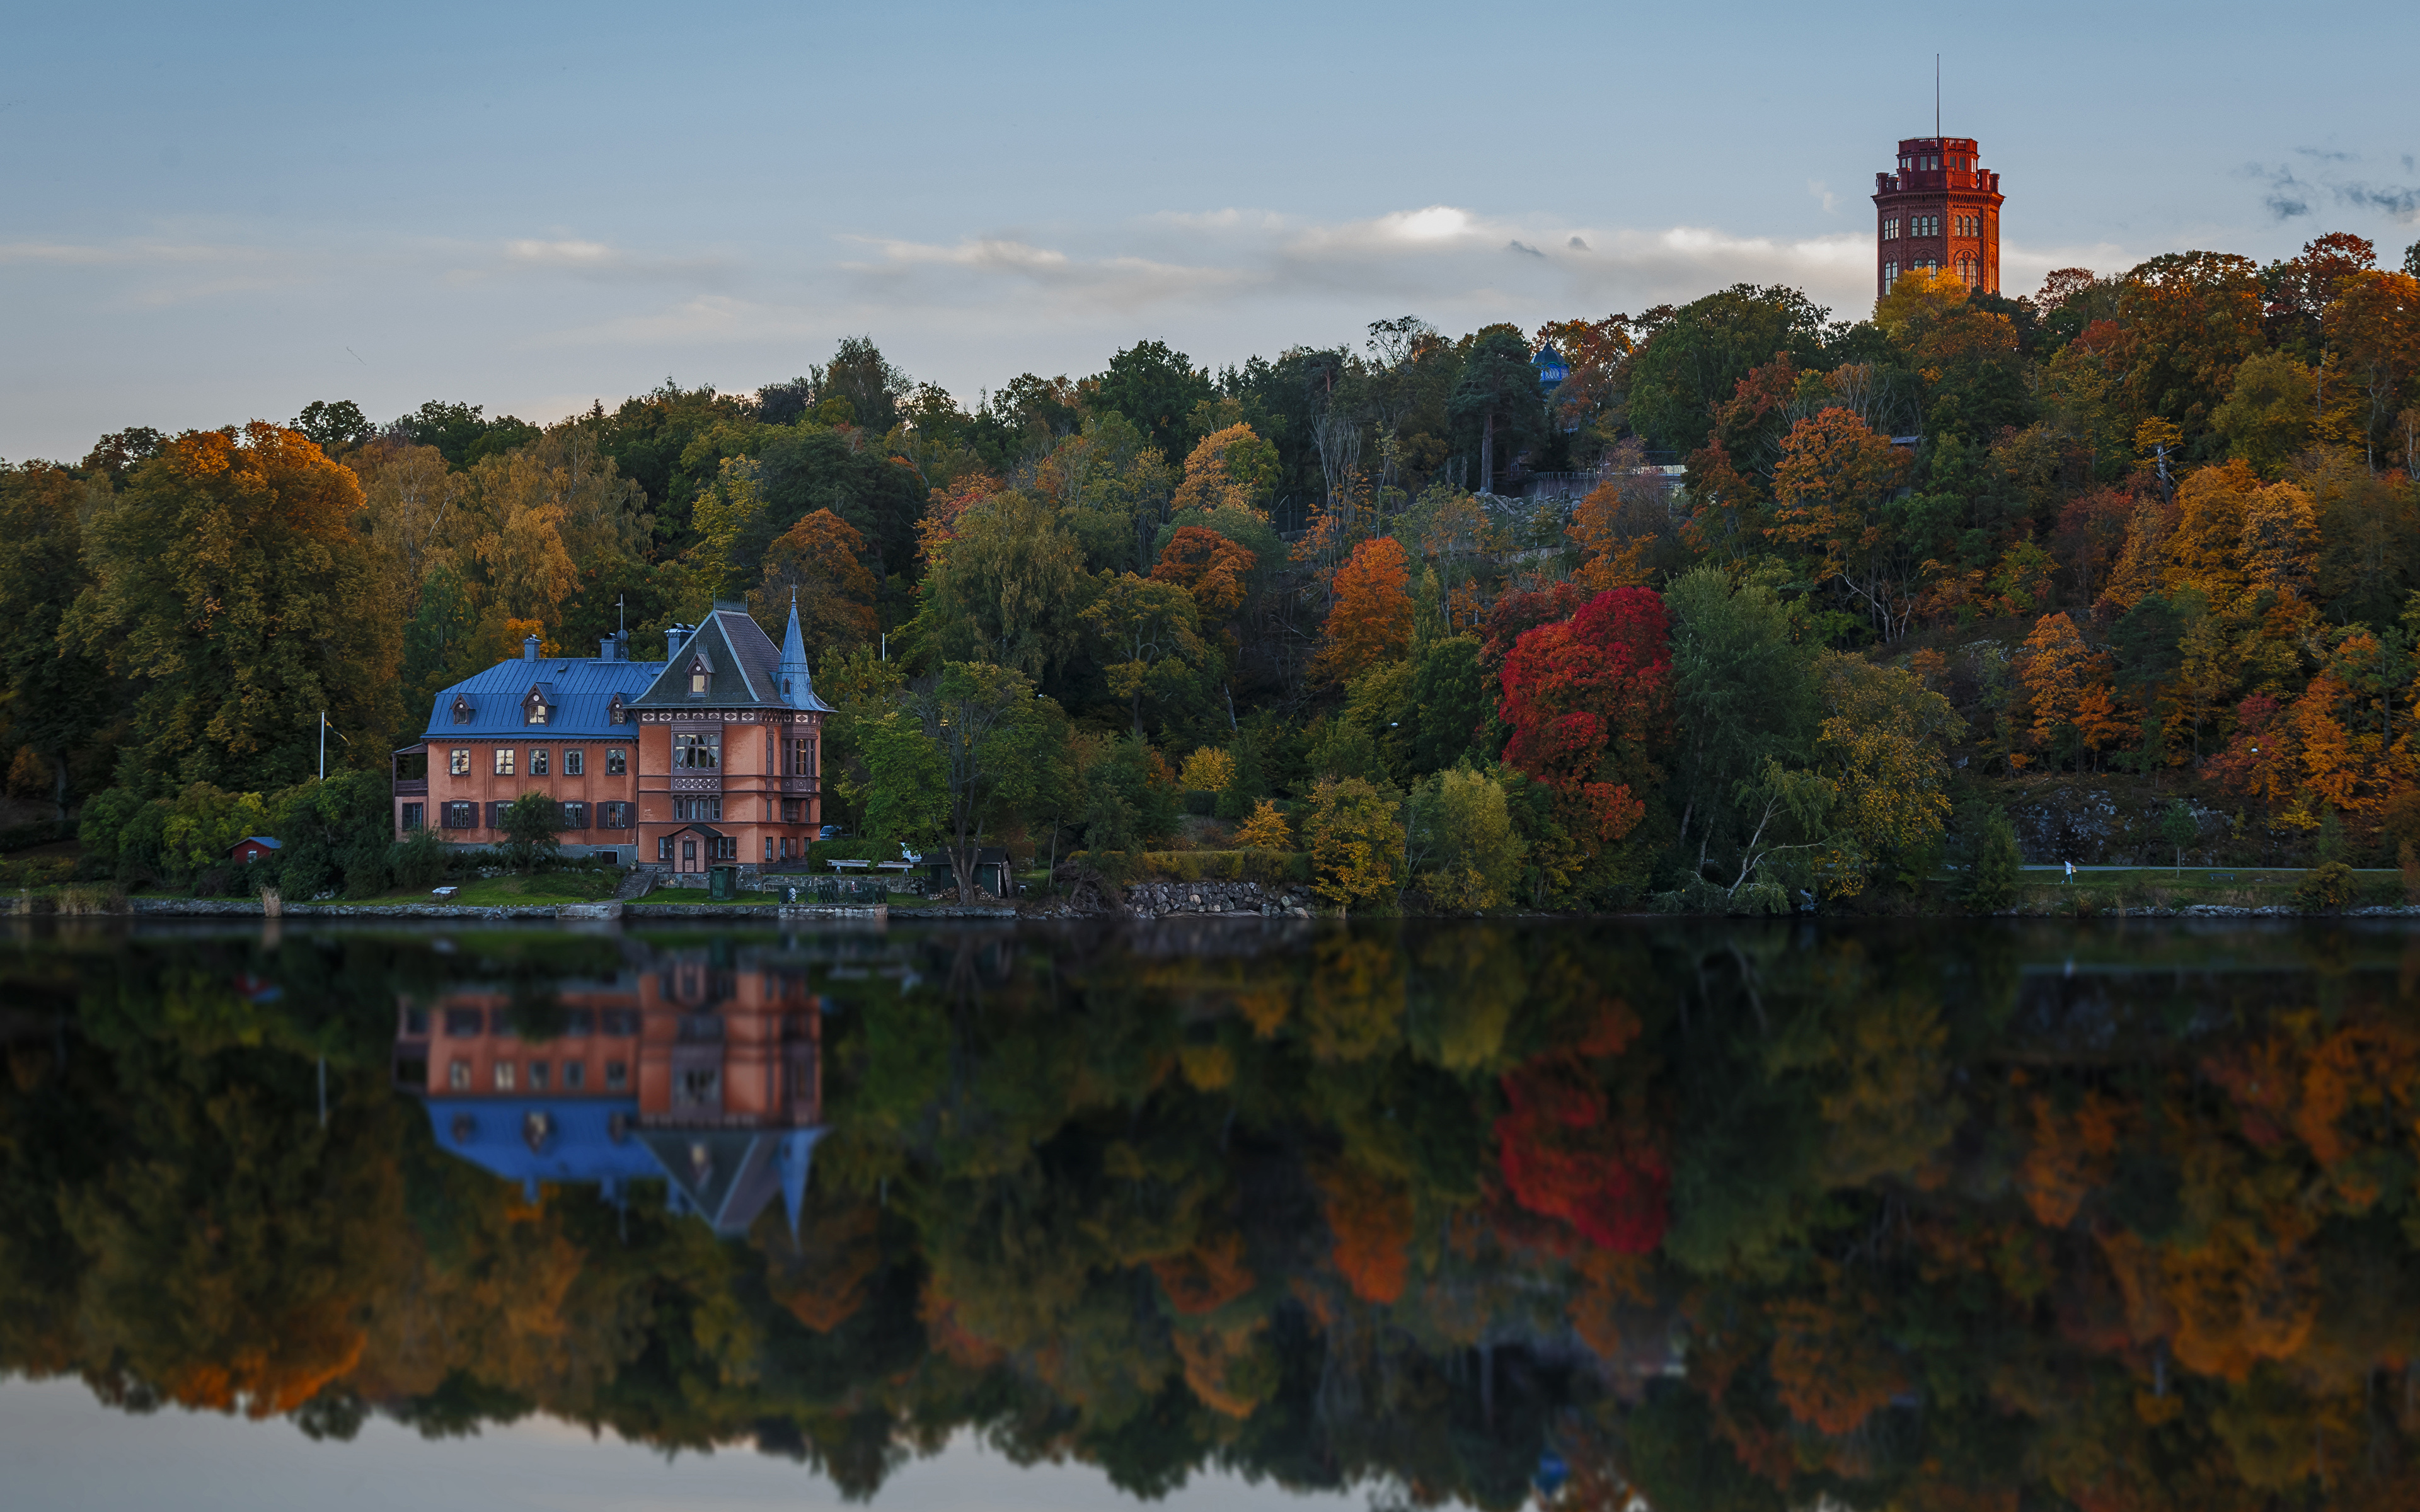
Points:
x=580 y=690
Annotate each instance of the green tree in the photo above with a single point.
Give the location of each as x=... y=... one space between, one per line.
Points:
x=1695 y=360
x=1009 y=589
x=907 y=788
x=999 y=742
x=1994 y=869
x=1155 y=388
x=55 y=696
x=2179 y=827
x=2188 y=321
x=1743 y=695
x=1449 y=695
x=1497 y=383
x=1146 y=636
x=529 y=822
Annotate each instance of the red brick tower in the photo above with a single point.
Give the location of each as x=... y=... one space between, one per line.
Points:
x=1939 y=210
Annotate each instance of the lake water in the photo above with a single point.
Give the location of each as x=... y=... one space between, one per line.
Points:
x=1941 y=1215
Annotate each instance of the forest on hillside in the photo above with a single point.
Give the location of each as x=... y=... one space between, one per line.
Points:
x=2154 y=530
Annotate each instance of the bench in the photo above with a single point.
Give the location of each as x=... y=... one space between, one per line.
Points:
x=849 y=866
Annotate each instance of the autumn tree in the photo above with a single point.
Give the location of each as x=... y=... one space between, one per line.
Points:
x=1833 y=489
x=1371 y=620
x=1588 y=701
x=2187 y=320
x=1355 y=842
x=1466 y=854
x=819 y=561
x=2374 y=322
x=1884 y=745
x=1228 y=468
x=228 y=580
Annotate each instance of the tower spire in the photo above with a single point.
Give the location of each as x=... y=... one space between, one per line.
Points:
x=795 y=682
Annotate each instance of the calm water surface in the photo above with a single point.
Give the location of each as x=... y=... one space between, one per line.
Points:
x=1946 y=1216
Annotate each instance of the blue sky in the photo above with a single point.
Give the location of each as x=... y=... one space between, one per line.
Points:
x=215 y=213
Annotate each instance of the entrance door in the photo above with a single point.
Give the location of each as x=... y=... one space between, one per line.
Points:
x=689 y=855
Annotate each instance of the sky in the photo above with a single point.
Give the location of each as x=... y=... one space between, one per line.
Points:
x=66 y=1451
x=216 y=213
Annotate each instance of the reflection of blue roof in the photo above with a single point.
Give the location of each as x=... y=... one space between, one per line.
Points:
x=726 y=1176
x=580 y=690
x=576 y=1144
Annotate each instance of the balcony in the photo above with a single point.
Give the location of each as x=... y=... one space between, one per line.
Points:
x=412 y=787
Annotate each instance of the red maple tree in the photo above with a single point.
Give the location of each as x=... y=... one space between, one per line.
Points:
x=1585 y=697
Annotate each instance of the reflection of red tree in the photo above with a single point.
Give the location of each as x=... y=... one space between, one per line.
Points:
x=1566 y=1154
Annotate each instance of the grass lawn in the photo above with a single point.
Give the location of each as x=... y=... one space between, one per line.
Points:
x=2159 y=886
x=547 y=888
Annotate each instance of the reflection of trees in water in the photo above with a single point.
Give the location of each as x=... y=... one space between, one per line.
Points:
x=1732 y=1216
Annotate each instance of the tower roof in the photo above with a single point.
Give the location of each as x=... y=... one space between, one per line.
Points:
x=794 y=685
x=736 y=655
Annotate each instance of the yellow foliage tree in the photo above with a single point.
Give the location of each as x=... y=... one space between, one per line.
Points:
x=1267 y=830
x=1230 y=468
x=1356 y=847
x=1207 y=770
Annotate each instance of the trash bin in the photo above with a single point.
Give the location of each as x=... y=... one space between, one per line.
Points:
x=723 y=884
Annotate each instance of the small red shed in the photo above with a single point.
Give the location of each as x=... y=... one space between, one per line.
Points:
x=252 y=848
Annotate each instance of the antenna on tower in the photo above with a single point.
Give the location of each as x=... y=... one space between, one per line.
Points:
x=1936 y=97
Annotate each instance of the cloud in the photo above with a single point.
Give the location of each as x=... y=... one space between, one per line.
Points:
x=1823 y=195
x=2289 y=196
x=562 y=253
x=1445 y=260
x=578 y=258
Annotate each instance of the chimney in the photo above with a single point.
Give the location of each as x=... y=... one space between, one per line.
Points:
x=673 y=638
x=609 y=649
x=529 y=648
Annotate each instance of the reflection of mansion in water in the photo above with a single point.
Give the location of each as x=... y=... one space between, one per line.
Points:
x=703 y=1075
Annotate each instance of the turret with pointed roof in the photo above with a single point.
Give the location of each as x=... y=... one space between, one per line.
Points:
x=795 y=685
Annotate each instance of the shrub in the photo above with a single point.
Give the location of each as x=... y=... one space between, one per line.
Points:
x=2327 y=888
x=418 y=862
x=1262 y=866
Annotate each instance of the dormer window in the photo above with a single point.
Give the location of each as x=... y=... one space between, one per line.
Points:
x=615 y=711
x=696 y=683
x=461 y=709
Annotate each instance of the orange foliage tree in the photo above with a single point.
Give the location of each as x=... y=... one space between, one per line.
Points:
x=1830 y=489
x=1372 y=621
x=1371 y=1220
x=820 y=560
